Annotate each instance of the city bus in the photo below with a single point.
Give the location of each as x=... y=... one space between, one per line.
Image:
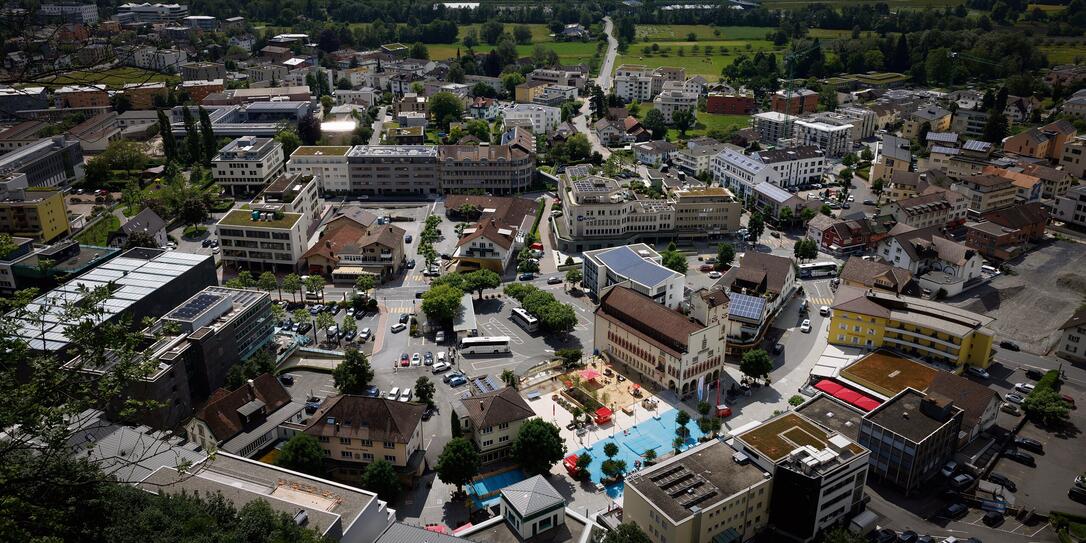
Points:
x=525 y=320
x=817 y=269
x=484 y=345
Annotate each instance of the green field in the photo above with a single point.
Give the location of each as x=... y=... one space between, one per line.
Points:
x=98 y=233
x=705 y=123
x=695 y=62
x=1070 y=53
x=113 y=77
x=568 y=52
x=540 y=32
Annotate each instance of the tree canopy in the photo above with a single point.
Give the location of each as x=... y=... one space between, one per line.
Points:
x=353 y=374
x=458 y=463
x=538 y=446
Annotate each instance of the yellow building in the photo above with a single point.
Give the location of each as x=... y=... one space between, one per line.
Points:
x=38 y=214
x=524 y=93
x=934 y=331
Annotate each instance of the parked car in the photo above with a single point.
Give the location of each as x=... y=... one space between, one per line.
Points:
x=440 y=336
x=883 y=535
x=1014 y=398
x=554 y=280
x=372 y=391
x=450 y=376
x=949 y=469
x=955 y=511
x=440 y=367
x=428 y=358
x=977 y=372
x=1077 y=493
x=962 y=481
x=404 y=360
x=993 y=518
x=398 y=327
x=315 y=310
x=908 y=536
x=411 y=264
x=1009 y=345
x=349 y=335
x=1020 y=457
x=407 y=238
x=287 y=379
x=416 y=360
x=715 y=275
x=405 y=396
x=364 y=335
x=305 y=328
x=706 y=268
x=869 y=202
x=806 y=326
x=457 y=380
x=1034 y=374
x=1070 y=401
x=405 y=318
x=441 y=356
x=1029 y=444
x=1024 y=388
x=526 y=276
x=1002 y=480
x=393 y=394
x=1010 y=408
x=824 y=310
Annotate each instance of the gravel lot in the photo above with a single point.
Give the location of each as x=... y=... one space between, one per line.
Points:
x=1029 y=305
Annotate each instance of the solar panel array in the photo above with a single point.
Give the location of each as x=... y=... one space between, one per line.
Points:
x=746 y=306
x=977 y=145
x=194 y=306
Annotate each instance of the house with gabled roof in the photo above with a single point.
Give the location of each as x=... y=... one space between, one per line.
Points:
x=491 y=420
x=245 y=420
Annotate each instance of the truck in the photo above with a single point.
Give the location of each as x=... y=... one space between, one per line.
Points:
x=863 y=523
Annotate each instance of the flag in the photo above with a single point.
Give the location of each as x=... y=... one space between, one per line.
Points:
x=701 y=387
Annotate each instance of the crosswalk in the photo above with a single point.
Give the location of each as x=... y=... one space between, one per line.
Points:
x=820 y=301
x=395 y=310
x=416 y=277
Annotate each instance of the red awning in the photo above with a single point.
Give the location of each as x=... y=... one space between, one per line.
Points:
x=829 y=387
x=603 y=415
x=571 y=461
x=437 y=528
x=867 y=404
x=589 y=374
x=850 y=396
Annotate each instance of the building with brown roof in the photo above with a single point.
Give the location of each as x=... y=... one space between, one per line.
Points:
x=492 y=420
x=355 y=431
x=985 y=192
x=936 y=261
x=1005 y=233
x=347 y=248
x=489 y=245
x=245 y=420
x=762 y=274
x=1072 y=332
x=933 y=208
x=662 y=345
x=904 y=184
x=863 y=273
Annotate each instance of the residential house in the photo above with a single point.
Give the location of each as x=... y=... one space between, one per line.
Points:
x=834 y=140
x=985 y=192
x=352 y=244
x=1004 y=233
x=654 y=153
x=894 y=156
x=492 y=420
x=875 y=273
x=248 y=164
x=1072 y=333
x=1071 y=207
x=938 y=263
x=252 y=412
x=937 y=119
x=147 y=222
x=488 y=245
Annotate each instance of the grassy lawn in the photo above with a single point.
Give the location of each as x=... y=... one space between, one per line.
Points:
x=568 y=52
x=696 y=63
x=1064 y=53
x=893 y=4
x=651 y=33
x=705 y=122
x=98 y=233
x=114 y=77
x=540 y=32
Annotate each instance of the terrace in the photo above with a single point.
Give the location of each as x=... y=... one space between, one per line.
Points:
x=241 y=217
x=887 y=373
x=776 y=438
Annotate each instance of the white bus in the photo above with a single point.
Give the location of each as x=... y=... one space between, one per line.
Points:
x=817 y=269
x=525 y=320
x=485 y=345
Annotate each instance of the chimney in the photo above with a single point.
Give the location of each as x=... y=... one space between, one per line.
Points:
x=252 y=387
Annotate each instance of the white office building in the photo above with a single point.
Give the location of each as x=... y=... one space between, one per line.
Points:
x=326 y=163
x=637 y=265
x=274 y=232
x=247 y=164
x=835 y=141
x=670 y=102
x=740 y=173
x=772 y=126
x=544 y=119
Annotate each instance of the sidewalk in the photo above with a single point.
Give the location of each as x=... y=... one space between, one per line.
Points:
x=547 y=263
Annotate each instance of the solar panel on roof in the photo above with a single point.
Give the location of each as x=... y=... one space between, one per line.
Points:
x=976 y=145
x=746 y=306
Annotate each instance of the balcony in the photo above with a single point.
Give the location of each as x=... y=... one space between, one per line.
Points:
x=925 y=348
x=920 y=335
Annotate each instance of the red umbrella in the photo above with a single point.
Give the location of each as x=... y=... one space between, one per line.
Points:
x=589 y=374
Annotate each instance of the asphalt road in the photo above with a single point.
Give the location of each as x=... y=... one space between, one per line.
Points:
x=604 y=81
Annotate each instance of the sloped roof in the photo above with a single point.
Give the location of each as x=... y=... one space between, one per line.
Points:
x=855 y=300
x=872 y=273
x=144 y=221
x=1076 y=320
x=491 y=231
x=531 y=496
x=363 y=417
x=498 y=407
x=1019 y=216
x=970 y=397
x=220 y=413
x=774 y=269
x=644 y=316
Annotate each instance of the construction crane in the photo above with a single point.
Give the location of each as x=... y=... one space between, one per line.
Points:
x=790 y=61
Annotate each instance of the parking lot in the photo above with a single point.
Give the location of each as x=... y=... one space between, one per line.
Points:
x=1030 y=303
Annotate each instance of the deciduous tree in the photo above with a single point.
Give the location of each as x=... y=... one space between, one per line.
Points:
x=302 y=453
x=538 y=446
x=353 y=374
x=458 y=463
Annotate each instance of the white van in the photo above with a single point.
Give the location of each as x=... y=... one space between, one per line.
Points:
x=393 y=394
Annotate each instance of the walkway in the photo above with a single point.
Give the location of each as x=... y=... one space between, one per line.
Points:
x=378 y=126
x=603 y=79
x=547 y=264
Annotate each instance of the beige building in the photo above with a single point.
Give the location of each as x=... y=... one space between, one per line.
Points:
x=495 y=169
x=985 y=192
x=730 y=501
x=274 y=231
x=393 y=170
x=712 y=210
x=1072 y=343
x=355 y=431
x=492 y=421
x=661 y=344
x=326 y=163
x=247 y=164
x=936 y=117
x=894 y=156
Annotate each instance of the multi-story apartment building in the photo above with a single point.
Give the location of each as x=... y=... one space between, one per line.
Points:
x=937 y=263
x=246 y=420
x=266 y=72
x=568 y=78
x=496 y=169
x=816 y=484
x=864 y=121
x=638 y=82
x=636 y=267
x=1071 y=207
x=740 y=173
x=247 y=164
x=274 y=232
x=211 y=332
x=394 y=169
x=72 y=12
x=355 y=431
x=796 y=102
x=910 y=437
x=1073 y=157
x=151 y=13
x=152 y=58
x=670 y=102
x=834 y=140
x=704 y=211
x=985 y=192
x=81 y=96
x=544 y=119
x=325 y=163
x=730 y=103
x=14 y=100
x=726 y=500
x=198 y=89
x=598 y=209
x=36 y=214
x=772 y=126
x=146 y=95
x=492 y=420
x=937 y=118
x=50 y=162
x=894 y=156
x=944 y=334
x=696 y=160
x=662 y=345
x=203 y=71
x=936 y=208
x=142 y=283
x=969 y=122
x=795 y=166
x=1071 y=344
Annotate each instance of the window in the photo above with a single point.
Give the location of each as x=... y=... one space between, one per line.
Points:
x=390 y=457
x=345 y=454
x=368 y=457
x=344 y=441
x=390 y=445
x=503 y=439
x=322 y=439
x=488 y=442
x=367 y=442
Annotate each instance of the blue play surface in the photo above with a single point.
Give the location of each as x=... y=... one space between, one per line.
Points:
x=650 y=434
x=484 y=491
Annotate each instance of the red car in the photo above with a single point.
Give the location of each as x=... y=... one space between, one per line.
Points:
x=404 y=360
x=706 y=268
